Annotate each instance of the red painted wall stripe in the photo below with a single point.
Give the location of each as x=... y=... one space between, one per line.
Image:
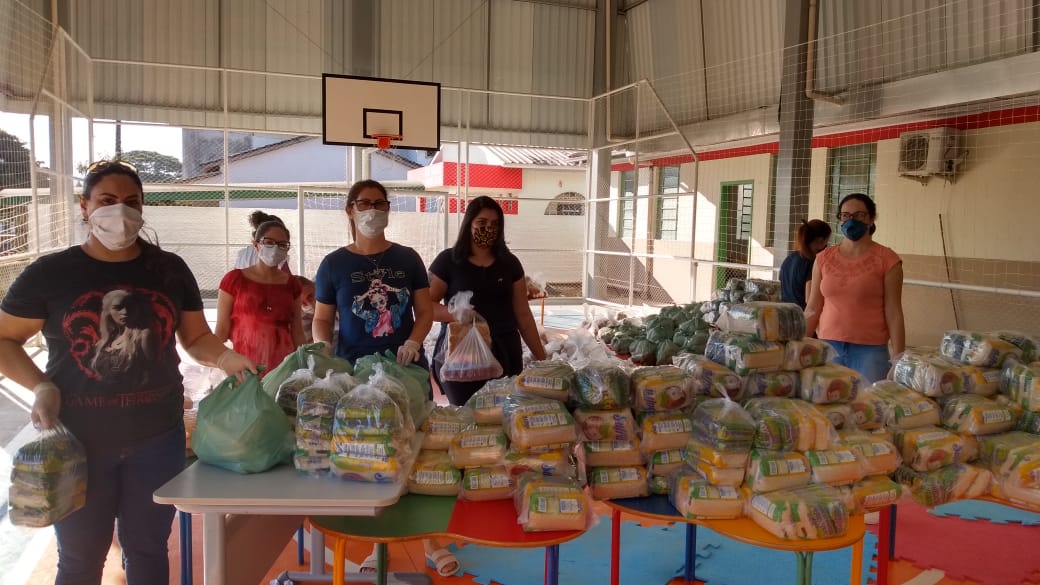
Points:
x=481 y=175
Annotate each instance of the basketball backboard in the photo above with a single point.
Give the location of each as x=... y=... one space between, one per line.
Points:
x=356 y=110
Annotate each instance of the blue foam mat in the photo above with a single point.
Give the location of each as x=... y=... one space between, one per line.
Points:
x=991 y=511
x=653 y=555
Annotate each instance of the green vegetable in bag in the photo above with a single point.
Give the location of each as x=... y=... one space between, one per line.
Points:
x=241 y=428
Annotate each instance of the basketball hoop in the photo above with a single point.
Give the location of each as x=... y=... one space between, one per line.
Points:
x=383 y=140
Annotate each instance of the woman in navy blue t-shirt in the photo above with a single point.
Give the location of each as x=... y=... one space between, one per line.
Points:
x=796 y=271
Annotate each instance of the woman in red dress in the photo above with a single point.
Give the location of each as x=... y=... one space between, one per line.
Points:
x=258 y=307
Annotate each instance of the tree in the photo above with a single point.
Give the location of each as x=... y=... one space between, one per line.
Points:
x=153 y=167
x=15 y=163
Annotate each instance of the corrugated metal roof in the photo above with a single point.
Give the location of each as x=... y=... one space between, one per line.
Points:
x=510 y=155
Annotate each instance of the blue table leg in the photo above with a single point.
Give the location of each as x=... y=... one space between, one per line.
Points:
x=186 y=561
x=892 y=533
x=691 y=554
x=299 y=545
x=552 y=565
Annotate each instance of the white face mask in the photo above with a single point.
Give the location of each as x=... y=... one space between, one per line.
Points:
x=116 y=226
x=273 y=256
x=371 y=222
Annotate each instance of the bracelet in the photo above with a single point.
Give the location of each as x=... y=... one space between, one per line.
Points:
x=48 y=385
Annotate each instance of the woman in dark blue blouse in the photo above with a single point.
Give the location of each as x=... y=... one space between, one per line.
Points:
x=796 y=271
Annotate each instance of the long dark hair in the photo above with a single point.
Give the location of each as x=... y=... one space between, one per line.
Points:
x=463 y=244
x=809 y=232
x=258 y=218
x=867 y=202
x=355 y=192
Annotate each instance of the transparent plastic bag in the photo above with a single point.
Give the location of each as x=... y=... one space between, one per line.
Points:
x=468 y=357
x=48 y=478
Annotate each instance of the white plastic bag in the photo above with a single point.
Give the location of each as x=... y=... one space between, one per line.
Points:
x=470 y=358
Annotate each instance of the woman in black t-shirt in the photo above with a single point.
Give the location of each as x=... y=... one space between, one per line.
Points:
x=796 y=270
x=480 y=262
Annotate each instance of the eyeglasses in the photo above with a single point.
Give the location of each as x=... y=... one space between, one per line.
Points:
x=269 y=243
x=366 y=204
x=101 y=165
x=858 y=216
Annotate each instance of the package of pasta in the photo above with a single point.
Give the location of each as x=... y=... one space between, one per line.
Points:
x=928 y=448
x=491 y=482
x=1003 y=452
x=48 y=478
x=839 y=414
x=976 y=415
x=369 y=411
x=789 y=424
x=477 y=447
x=548 y=379
x=945 y=484
x=877 y=456
x=559 y=462
x=600 y=385
x=315 y=417
x=830 y=383
x=977 y=349
x=783 y=384
x=665 y=462
x=744 y=353
x=487 y=402
x=545 y=503
x=765 y=320
x=709 y=378
x=873 y=494
x=1021 y=383
x=530 y=421
x=837 y=466
x=723 y=425
x=613 y=453
x=311 y=463
x=698 y=450
x=369 y=459
x=808 y=352
x=444 y=423
x=777 y=470
x=664 y=430
x=1029 y=345
x=803 y=513
x=606 y=425
x=610 y=483
x=434 y=475
x=893 y=405
x=658 y=388
x=696 y=498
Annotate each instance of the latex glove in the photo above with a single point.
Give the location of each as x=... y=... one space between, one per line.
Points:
x=408 y=352
x=465 y=316
x=46 y=405
x=235 y=364
x=326 y=347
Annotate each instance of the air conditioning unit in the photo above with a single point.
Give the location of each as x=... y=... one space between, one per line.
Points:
x=935 y=151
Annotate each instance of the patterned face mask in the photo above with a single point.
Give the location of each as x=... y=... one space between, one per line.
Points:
x=485 y=236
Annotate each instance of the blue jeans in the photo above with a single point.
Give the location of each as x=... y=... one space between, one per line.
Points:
x=871 y=361
x=120 y=484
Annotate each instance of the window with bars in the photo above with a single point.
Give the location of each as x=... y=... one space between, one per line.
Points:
x=667 y=217
x=850 y=169
x=733 y=242
x=627 y=204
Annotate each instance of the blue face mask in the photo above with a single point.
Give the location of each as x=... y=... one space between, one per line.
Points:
x=854 y=229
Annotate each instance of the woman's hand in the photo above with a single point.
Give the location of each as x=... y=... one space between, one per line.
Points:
x=235 y=364
x=46 y=405
x=408 y=352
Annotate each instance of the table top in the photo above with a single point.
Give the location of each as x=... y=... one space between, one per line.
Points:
x=203 y=488
x=490 y=523
x=740 y=529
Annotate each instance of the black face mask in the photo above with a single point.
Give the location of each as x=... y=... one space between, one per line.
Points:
x=485 y=237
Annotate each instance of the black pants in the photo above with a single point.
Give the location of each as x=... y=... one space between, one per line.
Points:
x=506 y=349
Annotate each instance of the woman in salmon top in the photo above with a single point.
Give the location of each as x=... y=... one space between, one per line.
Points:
x=855 y=300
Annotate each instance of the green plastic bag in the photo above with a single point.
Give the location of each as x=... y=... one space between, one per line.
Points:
x=241 y=428
x=307 y=356
x=413 y=377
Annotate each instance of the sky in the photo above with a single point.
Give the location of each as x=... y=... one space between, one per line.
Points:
x=159 y=138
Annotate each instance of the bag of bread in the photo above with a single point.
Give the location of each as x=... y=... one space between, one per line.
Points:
x=830 y=383
x=492 y=482
x=487 y=402
x=977 y=349
x=877 y=455
x=1021 y=383
x=695 y=498
x=434 y=475
x=558 y=461
x=744 y=353
x=873 y=494
x=803 y=513
x=478 y=447
x=697 y=450
x=548 y=379
x=545 y=503
x=1028 y=344
x=606 y=425
x=48 y=478
x=808 y=352
x=530 y=421
x=468 y=357
x=928 y=448
x=838 y=466
x=723 y=425
x=976 y=415
x=893 y=405
x=658 y=388
x=776 y=470
x=601 y=385
x=709 y=378
x=443 y=424
x=612 y=453
x=664 y=430
x=609 y=483
x=781 y=383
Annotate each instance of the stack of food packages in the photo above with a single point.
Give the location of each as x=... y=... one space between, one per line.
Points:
x=966 y=418
x=357 y=427
x=737 y=291
x=48 y=479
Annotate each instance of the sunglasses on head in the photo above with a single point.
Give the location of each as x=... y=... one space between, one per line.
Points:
x=101 y=165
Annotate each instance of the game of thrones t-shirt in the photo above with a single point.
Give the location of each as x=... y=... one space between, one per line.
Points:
x=110 y=329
